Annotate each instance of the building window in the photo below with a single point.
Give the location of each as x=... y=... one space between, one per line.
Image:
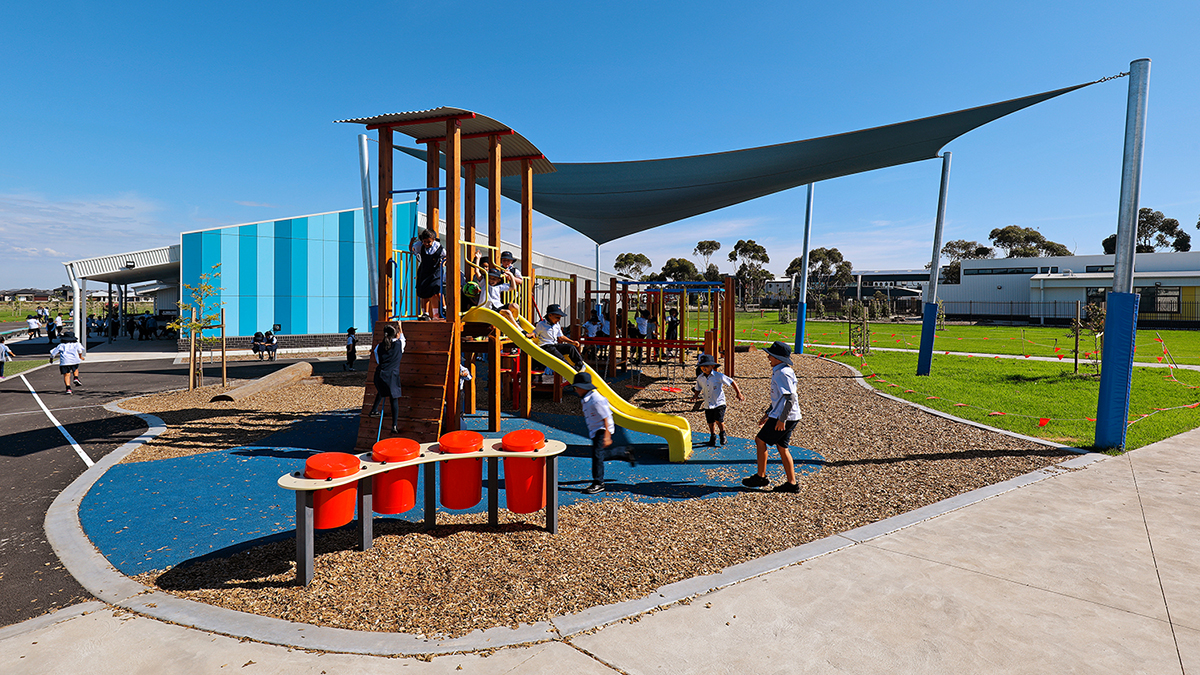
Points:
x=1001 y=270
x=1053 y=270
x=1096 y=295
x=1158 y=299
x=1099 y=268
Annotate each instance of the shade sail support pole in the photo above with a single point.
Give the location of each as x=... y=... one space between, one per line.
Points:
x=929 y=320
x=1120 y=319
x=364 y=173
x=802 y=303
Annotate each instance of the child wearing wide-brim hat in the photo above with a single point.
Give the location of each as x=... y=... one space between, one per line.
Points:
x=710 y=385
x=778 y=420
x=598 y=416
x=351 y=348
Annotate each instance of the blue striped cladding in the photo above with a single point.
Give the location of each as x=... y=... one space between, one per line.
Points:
x=248 y=282
x=231 y=279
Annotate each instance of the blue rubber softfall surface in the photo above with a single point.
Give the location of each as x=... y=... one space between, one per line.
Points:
x=153 y=515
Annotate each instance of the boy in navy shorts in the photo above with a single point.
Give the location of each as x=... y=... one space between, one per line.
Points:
x=710 y=385
x=778 y=420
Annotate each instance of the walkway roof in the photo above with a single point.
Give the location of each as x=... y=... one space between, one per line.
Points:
x=610 y=200
x=130 y=268
x=476 y=129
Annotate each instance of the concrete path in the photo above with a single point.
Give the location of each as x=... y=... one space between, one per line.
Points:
x=1091 y=571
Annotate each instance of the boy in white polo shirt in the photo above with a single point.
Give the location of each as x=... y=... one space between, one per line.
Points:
x=598 y=416
x=710 y=385
x=70 y=354
x=779 y=420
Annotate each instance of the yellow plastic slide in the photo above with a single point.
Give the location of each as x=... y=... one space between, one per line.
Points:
x=673 y=428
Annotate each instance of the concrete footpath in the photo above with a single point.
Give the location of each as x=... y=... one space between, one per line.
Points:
x=1093 y=570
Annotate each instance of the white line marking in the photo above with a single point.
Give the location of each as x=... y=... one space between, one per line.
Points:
x=78 y=450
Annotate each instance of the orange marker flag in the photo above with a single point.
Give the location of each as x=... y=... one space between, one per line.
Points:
x=1060 y=357
x=947 y=353
x=960 y=405
x=1043 y=421
x=910 y=391
x=930 y=398
x=1090 y=419
x=1057 y=349
x=992 y=414
x=1160 y=359
x=1026 y=356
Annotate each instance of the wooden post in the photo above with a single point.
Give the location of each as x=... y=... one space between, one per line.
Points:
x=432 y=180
x=727 y=333
x=386 y=228
x=612 y=327
x=576 y=321
x=469 y=217
x=453 y=286
x=527 y=272
x=224 y=376
x=495 y=157
x=623 y=318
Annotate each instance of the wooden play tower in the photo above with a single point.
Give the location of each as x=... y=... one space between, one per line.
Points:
x=457 y=142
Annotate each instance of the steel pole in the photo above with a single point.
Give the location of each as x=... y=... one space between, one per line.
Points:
x=364 y=171
x=1120 y=320
x=802 y=302
x=929 y=320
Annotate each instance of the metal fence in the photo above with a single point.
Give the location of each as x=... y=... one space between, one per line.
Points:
x=1186 y=314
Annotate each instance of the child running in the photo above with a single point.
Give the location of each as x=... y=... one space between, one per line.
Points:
x=6 y=355
x=70 y=354
x=598 y=415
x=778 y=420
x=710 y=385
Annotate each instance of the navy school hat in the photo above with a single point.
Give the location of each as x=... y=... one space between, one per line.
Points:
x=779 y=350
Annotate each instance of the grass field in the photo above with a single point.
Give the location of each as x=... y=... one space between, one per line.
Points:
x=14 y=368
x=1184 y=345
x=17 y=311
x=1028 y=392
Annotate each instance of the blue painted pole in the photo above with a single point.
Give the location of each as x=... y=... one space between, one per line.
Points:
x=929 y=321
x=802 y=292
x=1120 y=320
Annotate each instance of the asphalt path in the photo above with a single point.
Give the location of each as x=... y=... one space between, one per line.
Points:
x=37 y=462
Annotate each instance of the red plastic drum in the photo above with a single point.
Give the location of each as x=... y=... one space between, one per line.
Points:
x=395 y=491
x=462 y=479
x=333 y=507
x=524 y=479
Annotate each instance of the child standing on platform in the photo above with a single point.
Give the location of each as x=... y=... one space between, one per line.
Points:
x=779 y=420
x=710 y=386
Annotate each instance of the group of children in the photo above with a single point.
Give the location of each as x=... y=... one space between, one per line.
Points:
x=777 y=422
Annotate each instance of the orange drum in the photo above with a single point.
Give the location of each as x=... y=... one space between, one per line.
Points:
x=462 y=479
x=524 y=479
x=334 y=506
x=395 y=491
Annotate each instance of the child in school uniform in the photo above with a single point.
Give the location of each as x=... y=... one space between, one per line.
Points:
x=598 y=415
x=6 y=355
x=710 y=386
x=779 y=420
x=351 y=348
x=69 y=354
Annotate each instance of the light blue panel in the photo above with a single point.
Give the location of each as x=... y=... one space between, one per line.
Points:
x=266 y=314
x=316 y=315
x=315 y=267
x=248 y=288
x=265 y=271
x=329 y=313
x=359 y=235
x=232 y=309
x=330 y=269
x=230 y=264
x=329 y=227
x=360 y=316
x=298 y=325
x=266 y=229
x=299 y=228
x=359 y=271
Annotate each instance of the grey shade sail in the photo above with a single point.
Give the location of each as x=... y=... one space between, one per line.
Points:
x=609 y=200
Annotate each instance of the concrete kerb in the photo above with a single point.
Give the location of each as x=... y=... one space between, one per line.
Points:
x=57 y=616
x=93 y=571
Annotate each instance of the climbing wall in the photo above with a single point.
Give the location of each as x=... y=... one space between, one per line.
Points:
x=424 y=372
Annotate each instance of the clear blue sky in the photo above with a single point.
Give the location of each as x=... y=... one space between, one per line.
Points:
x=122 y=127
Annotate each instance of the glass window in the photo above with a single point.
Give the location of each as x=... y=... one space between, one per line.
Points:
x=1096 y=295
x=1053 y=270
x=1099 y=268
x=1158 y=299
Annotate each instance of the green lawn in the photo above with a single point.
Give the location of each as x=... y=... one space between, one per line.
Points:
x=1029 y=391
x=1184 y=345
x=13 y=368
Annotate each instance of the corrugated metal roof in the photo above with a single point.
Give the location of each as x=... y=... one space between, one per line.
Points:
x=148 y=265
x=473 y=149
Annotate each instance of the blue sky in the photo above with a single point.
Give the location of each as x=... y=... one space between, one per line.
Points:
x=124 y=126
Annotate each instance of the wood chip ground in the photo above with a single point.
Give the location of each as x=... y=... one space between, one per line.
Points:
x=883 y=458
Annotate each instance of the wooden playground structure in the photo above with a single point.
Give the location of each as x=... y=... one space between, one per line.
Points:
x=458 y=142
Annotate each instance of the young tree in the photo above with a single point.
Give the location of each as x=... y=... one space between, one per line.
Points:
x=680 y=269
x=207 y=313
x=706 y=248
x=631 y=264
x=752 y=257
x=1155 y=232
x=957 y=251
x=1025 y=242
